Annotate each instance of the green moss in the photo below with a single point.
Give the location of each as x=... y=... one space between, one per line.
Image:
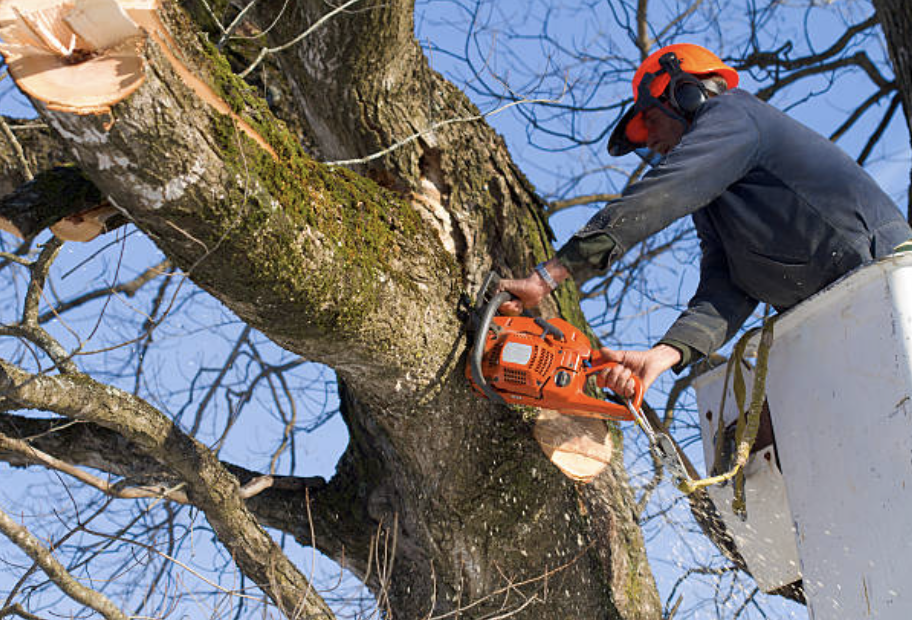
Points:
x=367 y=229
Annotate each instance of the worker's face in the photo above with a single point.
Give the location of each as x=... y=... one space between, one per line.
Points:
x=664 y=131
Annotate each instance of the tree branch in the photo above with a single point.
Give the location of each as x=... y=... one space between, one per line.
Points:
x=209 y=486
x=50 y=197
x=341 y=524
x=26 y=541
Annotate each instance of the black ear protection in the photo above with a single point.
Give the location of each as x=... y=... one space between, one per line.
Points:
x=685 y=92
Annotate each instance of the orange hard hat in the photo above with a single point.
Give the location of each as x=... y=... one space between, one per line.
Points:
x=694 y=59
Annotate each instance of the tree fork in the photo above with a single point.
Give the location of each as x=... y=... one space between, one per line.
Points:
x=337 y=269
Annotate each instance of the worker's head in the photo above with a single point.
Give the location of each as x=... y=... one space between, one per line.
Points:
x=669 y=88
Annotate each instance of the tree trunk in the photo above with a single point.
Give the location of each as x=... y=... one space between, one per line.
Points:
x=365 y=276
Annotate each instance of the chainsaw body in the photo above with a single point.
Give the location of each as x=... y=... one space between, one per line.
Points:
x=524 y=360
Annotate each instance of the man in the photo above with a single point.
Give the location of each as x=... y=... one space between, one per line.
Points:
x=780 y=211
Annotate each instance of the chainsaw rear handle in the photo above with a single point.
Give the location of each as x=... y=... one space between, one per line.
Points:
x=638 y=390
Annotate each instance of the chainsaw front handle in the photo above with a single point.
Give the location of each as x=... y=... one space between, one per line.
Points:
x=638 y=389
x=481 y=334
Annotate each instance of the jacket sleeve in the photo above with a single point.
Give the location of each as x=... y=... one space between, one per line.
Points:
x=717 y=310
x=720 y=147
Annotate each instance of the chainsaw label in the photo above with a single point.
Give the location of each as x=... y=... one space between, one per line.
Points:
x=516 y=353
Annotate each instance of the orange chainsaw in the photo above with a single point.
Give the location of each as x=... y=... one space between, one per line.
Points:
x=526 y=360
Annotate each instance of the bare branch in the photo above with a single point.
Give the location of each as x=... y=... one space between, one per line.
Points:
x=272 y=50
x=41 y=458
x=559 y=205
x=129 y=288
x=26 y=541
x=214 y=490
x=17 y=609
x=17 y=149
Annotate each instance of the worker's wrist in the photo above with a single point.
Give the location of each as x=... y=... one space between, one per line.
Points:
x=550 y=274
x=666 y=355
x=542 y=273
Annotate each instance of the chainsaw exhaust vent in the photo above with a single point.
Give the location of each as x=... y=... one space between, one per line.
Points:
x=518 y=377
x=494 y=355
x=542 y=361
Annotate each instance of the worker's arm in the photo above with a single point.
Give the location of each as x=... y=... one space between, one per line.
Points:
x=717 y=310
x=720 y=148
x=713 y=316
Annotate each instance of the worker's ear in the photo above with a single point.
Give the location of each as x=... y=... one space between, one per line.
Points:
x=689 y=95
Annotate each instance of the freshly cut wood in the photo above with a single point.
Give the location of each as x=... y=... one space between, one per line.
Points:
x=580 y=447
x=11 y=228
x=84 y=226
x=91 y=87
x=78 y=56
x=102 y=23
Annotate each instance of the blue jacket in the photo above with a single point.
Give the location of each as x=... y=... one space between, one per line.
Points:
x=780 y=211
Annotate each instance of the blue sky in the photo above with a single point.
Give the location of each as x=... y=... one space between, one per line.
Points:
x=183 y=345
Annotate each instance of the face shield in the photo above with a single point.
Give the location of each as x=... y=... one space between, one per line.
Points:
x=679 y=100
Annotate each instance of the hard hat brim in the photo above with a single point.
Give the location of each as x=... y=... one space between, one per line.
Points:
x=628 y=134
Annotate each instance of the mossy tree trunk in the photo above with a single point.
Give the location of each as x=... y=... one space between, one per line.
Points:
x=363 y=271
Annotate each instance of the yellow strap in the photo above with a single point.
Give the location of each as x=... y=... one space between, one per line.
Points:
x=748 y=418
x=720 y=426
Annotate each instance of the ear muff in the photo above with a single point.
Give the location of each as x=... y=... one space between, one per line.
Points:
x=659 y=80
x=685 y=92
x=688 y=95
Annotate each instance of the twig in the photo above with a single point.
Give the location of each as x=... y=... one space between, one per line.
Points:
x=17 y=149
x=18 y=610
x=227 y=32
x=25 y=540
x=432 y=129
x=560 y=205
x=13 y=258
x=272 y=50
x=129 y=288
x=42 y=458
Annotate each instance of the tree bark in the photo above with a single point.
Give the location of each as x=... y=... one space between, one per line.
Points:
x=366 y=277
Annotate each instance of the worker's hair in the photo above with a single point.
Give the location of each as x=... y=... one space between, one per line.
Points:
x=715 y=84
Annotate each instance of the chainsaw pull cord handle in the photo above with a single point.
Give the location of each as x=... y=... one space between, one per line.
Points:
x=484 y=325
x=548 y=327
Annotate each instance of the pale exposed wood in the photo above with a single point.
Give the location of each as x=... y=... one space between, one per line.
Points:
x=580 y=447
x=84 y=226
x=103 y=24
x=462 y=480
x=78 y=56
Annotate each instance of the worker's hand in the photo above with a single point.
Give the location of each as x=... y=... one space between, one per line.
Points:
x=527 y=293
x=530 y=291
x=647 y=365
